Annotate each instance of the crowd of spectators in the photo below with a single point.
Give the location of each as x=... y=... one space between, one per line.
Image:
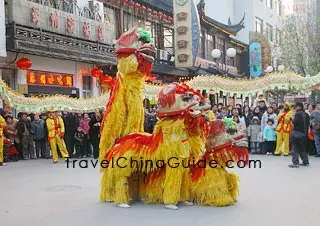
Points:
x=269 y=130
x=28 y=135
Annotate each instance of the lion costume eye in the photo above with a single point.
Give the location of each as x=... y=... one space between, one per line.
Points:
x=186 y=98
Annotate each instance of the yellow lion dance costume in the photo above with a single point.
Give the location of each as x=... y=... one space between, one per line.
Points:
x=124 y=113
x=162 y=158
x=132 y=153
x=216 y=186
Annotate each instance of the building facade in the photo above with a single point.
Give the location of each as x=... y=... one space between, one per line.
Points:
x=261 y=16
x=65 y=39
x=263 y=23
x=216 y=35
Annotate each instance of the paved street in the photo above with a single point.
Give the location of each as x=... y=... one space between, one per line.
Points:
x=37 y=193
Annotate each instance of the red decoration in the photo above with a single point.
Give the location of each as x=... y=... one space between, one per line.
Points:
x=70 y=25
x=86 y=29
x=124 y=1
x=96 y=72
x=144 y=9
x=106 y=80
x=54 y=20
x=24 y=63
x=34 y=15
x=165 y=17
x=131 y=3
x=160 y=14
x=100 y=33
x=137 y=6
x=149 y=11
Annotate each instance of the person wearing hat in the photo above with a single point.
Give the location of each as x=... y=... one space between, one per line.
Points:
x=284 y=129
x=260 y=98
x=301 y=123
x=56 y=132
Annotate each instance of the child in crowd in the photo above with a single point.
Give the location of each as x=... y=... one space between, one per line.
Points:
x=254 y=130
x=79 y=137
x=270 y=137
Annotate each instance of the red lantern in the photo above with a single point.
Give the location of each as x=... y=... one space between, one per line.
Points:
x=24 y=63
x=96 y=72
x=165 y=17
x=160 y=14
x=144 y=9
x=124 y=1
x=149 y=11
x=106 y=80
x=131 y=3
x=137 y=6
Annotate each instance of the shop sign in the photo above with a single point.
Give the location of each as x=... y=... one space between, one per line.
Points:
x=49 y=79
x=187 y=32
x=89 y=24
x=255 y=52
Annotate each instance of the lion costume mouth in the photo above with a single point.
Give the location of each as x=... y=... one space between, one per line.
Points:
x=178 y=99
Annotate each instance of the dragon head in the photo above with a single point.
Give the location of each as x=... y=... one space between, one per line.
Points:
x=177 y=99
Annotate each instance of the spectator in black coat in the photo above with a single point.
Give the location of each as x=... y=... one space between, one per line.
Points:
x=26 y=133
x=71 y=123
x=44 y=118
x=247 y=114
x=94 y=132
x=262 y=107
x=301 y=123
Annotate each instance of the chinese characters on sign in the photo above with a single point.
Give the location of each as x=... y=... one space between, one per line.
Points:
x=35 y=15
x=86 y=29
x=49 y=78
x=70 y=25
x=100 y=33
x=54 y=20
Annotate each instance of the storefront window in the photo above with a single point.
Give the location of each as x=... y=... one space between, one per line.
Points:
x=110 y=19
x=259 y=25
x=127 y=21
x=221 y=47
x=209 y=46
x=8 y=76
x=269 y=32
x=168 y=39
x=87 y=86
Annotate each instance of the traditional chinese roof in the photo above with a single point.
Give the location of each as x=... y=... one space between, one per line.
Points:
x=167 y=7
x=239 y=43
x=228 y=29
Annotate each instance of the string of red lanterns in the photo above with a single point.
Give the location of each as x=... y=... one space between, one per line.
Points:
x=104 y=79
x=149 y=11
